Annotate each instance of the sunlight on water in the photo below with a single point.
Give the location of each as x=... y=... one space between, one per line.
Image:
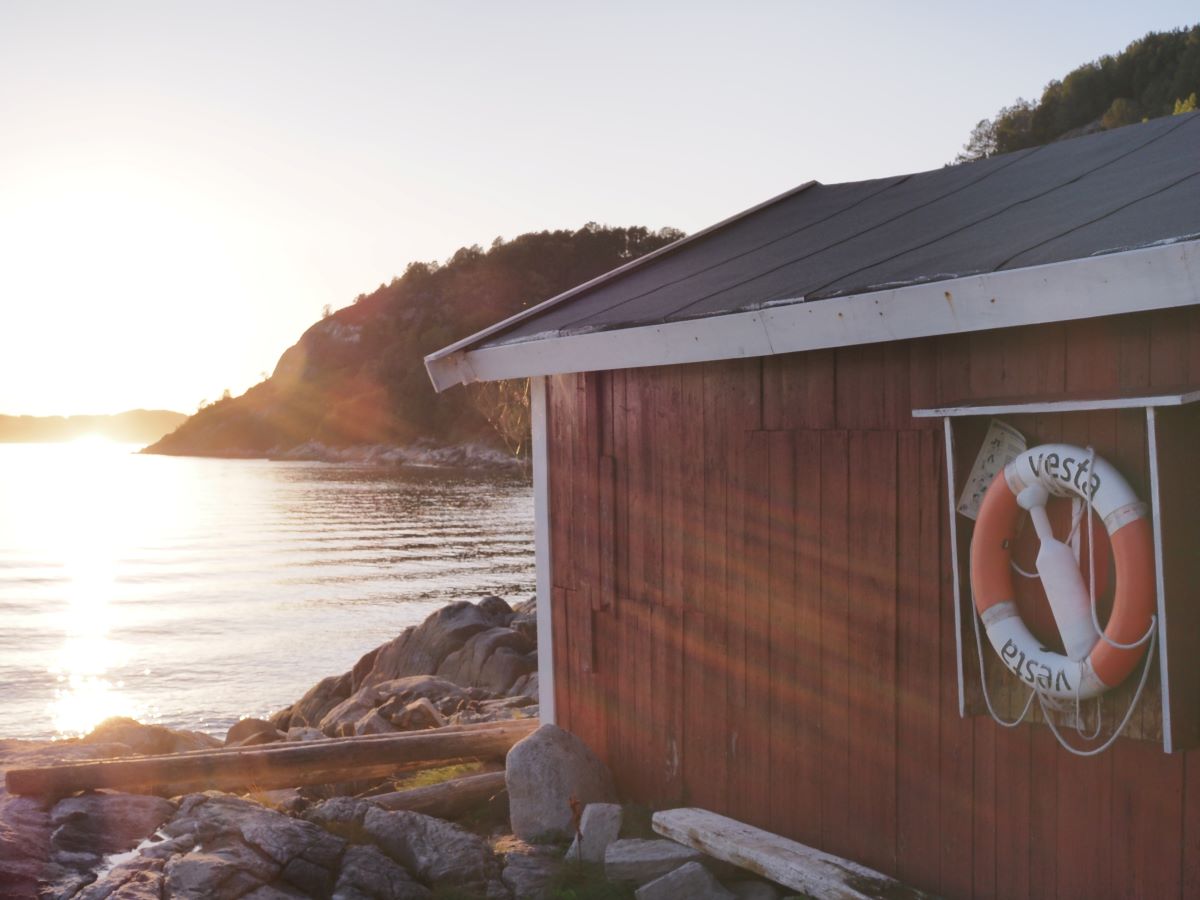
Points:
x=191 y=592
x=87 y=521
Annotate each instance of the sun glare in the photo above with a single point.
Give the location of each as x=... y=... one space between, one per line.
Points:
x=93 y=523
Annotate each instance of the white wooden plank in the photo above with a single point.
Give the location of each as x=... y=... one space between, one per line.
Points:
x=780 y=859
x=1160 y=583
x=1058 y=406
x=1158 y=277
x=951 y=491
x=541 y=547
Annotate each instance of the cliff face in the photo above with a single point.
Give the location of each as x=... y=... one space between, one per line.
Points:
x=356 y=378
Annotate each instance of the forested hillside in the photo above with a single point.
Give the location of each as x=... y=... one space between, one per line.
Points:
x=1158 y=75
x=356 y=378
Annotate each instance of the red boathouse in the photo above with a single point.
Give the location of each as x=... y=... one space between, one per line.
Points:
x=749 y=453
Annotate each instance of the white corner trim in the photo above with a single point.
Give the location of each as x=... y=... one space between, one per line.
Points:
x=1160 y=579
x=541 y=550
x=948 y=428
x=1157 y=277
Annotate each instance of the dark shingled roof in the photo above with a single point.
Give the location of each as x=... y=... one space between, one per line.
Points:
x=1103 y=193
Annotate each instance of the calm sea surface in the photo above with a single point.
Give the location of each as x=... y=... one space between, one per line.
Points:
x=191 y=592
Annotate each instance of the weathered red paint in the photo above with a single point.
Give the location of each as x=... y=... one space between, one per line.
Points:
x=757 y=552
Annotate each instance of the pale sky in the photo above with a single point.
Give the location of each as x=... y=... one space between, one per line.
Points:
x=183 y=186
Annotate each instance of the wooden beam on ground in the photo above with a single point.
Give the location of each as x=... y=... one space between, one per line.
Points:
x=781 y=860
x=446 y=800
x=273 y=765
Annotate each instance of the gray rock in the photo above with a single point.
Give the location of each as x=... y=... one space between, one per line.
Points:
x=148 y=739
x=388 y=696
x=137 y=879
x=493 y=659
x=282 y=720
x=275 y=892
x=543 y=772
x=341 y=815
x=638 y=861
x=690 y=880
x=320 y=699
x=366 y=872
x=168 y=848
x=305 y=733
x=374 y=723
x=753 y=889
x=103 y=823
x=241 y=846
x=244 y=728
x=224 y=870
x=419 y=714
x=530 y=870
x=528 y=685
x=434 y=851
x=599 y=826
x=421 y=650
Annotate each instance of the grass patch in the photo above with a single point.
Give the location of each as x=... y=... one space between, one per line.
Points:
x=430 y=777
x=587 y=882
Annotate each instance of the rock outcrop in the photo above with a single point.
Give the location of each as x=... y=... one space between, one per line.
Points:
x=545 y=772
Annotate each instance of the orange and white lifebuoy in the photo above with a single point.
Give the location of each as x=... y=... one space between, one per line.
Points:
x=1064 y=470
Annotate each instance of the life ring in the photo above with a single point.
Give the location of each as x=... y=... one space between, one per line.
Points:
x=1063 y=470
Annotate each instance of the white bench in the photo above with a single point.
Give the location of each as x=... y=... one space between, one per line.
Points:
x=781 y=860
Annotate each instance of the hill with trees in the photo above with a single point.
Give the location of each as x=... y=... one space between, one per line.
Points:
x=356 y=381
x=1158 y=75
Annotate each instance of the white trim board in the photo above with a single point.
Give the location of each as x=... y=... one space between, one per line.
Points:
x=1057 y=406
x=541 y=550
x=1158 y=277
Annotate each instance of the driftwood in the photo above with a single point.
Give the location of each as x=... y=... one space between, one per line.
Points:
x=785 y=861
x=273 y=765
x=446 y=800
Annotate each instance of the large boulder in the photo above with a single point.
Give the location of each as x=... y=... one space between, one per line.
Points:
x=436 y=852
x=148 y=739
x=368 y=873
x=423 y=649
x=103 y=823
x=493 y=659
x=544 y=772
x=321 y=698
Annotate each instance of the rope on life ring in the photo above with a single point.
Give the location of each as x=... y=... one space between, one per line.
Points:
x=1094 y=662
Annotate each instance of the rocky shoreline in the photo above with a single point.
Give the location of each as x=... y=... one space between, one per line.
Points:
x=468 y=663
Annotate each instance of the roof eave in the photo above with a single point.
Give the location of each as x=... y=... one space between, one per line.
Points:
x=1157 y=277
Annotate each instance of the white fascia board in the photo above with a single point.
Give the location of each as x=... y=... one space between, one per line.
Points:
x=1158 y=277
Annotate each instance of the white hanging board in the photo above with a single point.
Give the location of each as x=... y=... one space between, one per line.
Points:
x=1001 y=446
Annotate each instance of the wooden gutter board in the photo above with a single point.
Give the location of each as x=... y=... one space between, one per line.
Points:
x=781 y=860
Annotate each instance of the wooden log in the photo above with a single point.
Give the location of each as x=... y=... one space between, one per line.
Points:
x=273 y=765
x=446 y=800
x=785 y=861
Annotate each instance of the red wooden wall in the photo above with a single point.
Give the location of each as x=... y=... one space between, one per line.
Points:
x=753 y=611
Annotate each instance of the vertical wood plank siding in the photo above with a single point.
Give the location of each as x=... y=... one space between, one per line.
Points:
x=753 y=607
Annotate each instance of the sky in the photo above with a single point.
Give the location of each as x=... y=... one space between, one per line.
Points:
x=184 y=186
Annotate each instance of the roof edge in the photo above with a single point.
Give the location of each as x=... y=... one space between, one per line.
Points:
x=1155 y=277
x=608 y=276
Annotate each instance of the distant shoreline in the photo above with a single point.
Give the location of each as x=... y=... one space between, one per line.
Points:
x=422 y=454
x=136 y=426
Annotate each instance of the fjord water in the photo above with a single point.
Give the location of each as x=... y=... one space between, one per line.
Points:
x=191 y=592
